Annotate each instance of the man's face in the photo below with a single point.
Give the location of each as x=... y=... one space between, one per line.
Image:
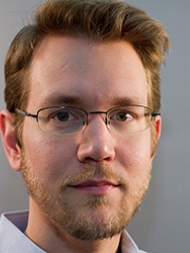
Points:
x=89 y=183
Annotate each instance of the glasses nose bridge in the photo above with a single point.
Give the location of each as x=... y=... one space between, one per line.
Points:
x=99 y=112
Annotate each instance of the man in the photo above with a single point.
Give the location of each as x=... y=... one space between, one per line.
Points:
x=82 y=124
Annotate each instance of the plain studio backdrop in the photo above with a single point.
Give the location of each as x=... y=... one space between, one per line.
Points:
x=162 y=225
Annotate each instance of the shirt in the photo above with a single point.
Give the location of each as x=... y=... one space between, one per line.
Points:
x=13 y=239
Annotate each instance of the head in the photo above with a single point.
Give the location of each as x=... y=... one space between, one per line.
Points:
x=101 y=21
x=97 y=28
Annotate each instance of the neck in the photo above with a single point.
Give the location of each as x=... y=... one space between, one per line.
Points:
x=53 y=239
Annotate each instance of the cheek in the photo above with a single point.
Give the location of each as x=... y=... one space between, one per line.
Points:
x=48 y=156
x=135 y=155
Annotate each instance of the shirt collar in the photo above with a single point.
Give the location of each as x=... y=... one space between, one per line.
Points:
x=15 y=223
x=127 y=244
x=12 y=237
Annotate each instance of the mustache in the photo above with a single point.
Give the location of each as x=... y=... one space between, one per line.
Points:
x=94 y=172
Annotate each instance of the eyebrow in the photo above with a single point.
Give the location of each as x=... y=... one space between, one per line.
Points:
x=70 y=100
x=62 y=100
x=117 y=101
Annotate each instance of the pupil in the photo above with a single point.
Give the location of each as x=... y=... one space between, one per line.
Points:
x=121 y=116
x=63 y=116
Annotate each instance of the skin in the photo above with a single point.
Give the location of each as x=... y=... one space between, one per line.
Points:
x=95 y=76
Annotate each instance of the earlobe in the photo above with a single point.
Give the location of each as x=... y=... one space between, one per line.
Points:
x=11 y=147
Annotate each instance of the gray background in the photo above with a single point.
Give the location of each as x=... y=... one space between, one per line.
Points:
x=163 y=224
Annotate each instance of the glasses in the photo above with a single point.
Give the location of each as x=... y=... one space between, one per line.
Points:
x=65 y=120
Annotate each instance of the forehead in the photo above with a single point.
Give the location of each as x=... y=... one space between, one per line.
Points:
x=80 y=71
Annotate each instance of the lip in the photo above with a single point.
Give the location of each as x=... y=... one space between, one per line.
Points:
x=93 y=187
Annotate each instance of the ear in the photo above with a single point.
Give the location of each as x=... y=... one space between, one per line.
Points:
x=156 y=133
x=158 y=125
x=11 y=147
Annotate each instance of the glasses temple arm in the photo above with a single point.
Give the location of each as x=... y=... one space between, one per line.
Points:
x=154 y=114
x=25 y=113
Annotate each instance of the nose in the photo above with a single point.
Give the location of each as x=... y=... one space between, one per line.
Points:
x=97 y=143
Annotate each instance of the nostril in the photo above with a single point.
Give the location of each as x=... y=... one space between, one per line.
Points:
x=108 y=159
x=88 y=159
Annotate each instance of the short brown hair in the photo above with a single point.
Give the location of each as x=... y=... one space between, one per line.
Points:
x=99 y=20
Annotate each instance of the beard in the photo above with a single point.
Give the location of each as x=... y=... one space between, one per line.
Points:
x=95 y=217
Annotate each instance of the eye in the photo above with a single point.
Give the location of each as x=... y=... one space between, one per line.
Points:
x=123 y=116
x=67 y=115
x=63 y=116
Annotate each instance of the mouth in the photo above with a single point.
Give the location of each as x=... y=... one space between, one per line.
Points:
x=93 y=187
